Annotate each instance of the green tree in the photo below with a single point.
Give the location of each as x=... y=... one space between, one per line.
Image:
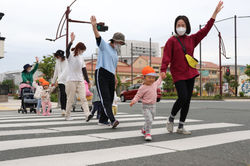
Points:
x=231 y=81
x=119 y=83
x=247 y=72
x=168 y=83
x=209 y=86
x=46 y=66
x=11 y=85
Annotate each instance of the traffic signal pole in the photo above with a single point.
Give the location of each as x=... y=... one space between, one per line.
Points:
x=220 y=64
x=65 y=19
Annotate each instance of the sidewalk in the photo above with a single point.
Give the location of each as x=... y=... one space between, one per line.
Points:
x=14 y=105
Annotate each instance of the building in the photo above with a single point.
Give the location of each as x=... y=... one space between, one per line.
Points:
x=140 y=48
x=2 y=47
x=16 y=76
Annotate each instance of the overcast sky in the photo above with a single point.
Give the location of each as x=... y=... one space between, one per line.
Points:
x=27 y=23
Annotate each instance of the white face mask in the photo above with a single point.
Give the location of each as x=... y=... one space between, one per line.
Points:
x=181 y=31
x=118 y=48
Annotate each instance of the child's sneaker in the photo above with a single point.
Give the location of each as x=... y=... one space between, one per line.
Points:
x=48 y=113
x=68 y=118
x=148 y=137
x=143 y=131
x=170 y=127
x=183 y=131
x=44 y=114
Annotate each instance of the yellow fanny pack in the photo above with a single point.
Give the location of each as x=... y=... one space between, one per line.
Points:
x=192 y=62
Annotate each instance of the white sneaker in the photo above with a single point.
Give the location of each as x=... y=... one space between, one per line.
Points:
x=68 y=118
x=63 y=112
x=170 y=126
x=183 y=131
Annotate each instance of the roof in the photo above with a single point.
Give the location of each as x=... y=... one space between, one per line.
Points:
x=154 y=60
x=120 y=67
x=208 y=65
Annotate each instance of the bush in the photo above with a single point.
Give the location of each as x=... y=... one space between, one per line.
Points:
x=54 y=97
x=16 y=96
x=195 y=94
x=169 y=94
x=227 y=95
x=241 y=94
x=217 y=97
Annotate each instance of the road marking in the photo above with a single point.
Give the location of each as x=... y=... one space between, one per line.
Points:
x=131 y=152
x=78 y=128
x=37 y=142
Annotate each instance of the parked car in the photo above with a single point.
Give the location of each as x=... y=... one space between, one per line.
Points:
x=131 y=91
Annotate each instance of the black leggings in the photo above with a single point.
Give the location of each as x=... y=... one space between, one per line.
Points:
x=105 y=83
x=184 y=90
x=63 y=96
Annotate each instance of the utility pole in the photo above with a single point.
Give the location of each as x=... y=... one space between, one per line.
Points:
x=150 y=55
x=200 y=70
x=235 y=44
x=131 y=63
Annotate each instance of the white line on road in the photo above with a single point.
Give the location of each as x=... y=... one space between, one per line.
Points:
x=37 y=142
x=130 y=152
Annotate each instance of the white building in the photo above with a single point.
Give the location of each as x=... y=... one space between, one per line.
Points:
x=2 y=47
x=140 y=48
x=16 y=76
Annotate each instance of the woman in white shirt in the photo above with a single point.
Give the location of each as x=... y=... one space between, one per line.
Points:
x=60 y=66
x=75 y=82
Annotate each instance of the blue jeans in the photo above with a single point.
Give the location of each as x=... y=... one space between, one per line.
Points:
x=39 y=104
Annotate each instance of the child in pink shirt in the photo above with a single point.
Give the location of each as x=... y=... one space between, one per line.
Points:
x=148 y=95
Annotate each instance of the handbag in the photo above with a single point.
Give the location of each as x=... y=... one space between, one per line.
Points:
x=192 y=62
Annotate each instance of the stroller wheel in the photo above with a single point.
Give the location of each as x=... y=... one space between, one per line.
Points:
x=25 y=111
x=50 y=111
x=74 y=109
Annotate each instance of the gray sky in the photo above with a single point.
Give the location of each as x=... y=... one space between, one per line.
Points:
x=27 y=23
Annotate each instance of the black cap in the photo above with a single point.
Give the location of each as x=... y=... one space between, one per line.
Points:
x=25 y=67
x=59 y=53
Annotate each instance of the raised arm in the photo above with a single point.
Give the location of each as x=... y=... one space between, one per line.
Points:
x=72 y=37
x=197 y=37
x=94 y=26
x=36 y=66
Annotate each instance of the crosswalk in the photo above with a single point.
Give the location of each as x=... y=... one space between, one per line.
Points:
x=26 y=139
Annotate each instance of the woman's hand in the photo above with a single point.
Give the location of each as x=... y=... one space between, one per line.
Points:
x=37 y=60
x=163 y=75
x=72 y=37
x=93 y=20
x=217 y=9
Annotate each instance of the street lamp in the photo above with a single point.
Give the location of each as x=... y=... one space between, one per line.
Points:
x=1 y=15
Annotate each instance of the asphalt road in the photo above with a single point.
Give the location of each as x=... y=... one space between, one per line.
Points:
x=220 y=136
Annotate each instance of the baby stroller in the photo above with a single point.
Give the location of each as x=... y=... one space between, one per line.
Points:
x=27 y=99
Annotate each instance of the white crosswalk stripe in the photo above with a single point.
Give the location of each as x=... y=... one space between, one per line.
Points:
x=20 y=133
